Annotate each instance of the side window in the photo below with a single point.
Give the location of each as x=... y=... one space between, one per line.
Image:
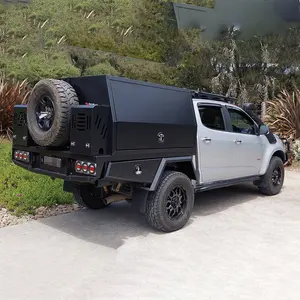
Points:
x=211 y=117
x=241 y=123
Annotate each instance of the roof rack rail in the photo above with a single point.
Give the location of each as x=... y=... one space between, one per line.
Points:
x=211 y=96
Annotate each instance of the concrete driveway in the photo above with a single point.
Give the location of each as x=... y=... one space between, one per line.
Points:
x=238 y=245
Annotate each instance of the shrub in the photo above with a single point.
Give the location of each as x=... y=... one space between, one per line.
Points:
x=283 y=114
x=22 y=191
x=40 y=65
x=12 y=92
x=296 y=150
x=91 y=62
x=101 y=69
x=146 y=71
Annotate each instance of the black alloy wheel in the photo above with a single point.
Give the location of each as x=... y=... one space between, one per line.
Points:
x=176 y=203
x=44 y=112
x=276 y=176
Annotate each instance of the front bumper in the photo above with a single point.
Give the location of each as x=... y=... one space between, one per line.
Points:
x=287 y=147
x=286 y=157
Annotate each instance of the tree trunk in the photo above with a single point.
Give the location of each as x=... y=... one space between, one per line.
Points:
x=263 y=110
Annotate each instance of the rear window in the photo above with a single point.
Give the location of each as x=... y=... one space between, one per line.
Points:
x=211 y=117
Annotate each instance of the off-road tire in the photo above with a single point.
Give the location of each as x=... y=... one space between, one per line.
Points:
x=90 y=197
x=266 y=185
x=63 y=97
x=156 y=213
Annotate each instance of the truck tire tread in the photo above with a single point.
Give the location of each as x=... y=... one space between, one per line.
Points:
x=154 y=214
x=265 y=185
x=66 y=98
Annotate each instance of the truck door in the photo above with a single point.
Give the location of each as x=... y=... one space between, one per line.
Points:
x=215 y=144
x=248 y=146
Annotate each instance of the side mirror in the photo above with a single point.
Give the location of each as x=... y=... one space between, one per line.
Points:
x=263 y=129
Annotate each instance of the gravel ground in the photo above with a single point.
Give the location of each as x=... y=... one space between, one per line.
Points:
x=7 y=219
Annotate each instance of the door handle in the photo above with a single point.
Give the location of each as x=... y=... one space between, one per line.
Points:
x=238 y=142
x=206 y=140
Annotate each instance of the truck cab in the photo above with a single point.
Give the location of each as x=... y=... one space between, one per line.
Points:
x=230 y=144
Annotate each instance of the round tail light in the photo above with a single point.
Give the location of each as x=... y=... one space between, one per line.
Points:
x=78 y=166
x=85 y=168
x=25 y=156
x=21 y=155
x=17 y=155
x=92 y=169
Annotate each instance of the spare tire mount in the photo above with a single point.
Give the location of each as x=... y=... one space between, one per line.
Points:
x=49 y=112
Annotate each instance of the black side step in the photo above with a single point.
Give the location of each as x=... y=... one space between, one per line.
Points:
x=224 y=183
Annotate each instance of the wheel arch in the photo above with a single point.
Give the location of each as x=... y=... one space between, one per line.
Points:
x=179 y=164
x=276 y=153
x=280 y=154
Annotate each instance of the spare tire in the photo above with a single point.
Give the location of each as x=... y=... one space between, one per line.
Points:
x=49 y=112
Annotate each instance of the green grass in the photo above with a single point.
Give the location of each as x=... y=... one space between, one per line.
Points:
x=22 y=192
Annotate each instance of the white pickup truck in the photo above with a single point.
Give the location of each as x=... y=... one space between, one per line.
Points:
x=113 y=139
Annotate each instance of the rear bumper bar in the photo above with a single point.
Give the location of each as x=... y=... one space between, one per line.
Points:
x=73 y=178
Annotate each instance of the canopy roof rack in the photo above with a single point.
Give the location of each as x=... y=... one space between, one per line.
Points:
x=211 y=96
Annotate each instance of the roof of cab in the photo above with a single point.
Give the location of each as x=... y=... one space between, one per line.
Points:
x=215 y=102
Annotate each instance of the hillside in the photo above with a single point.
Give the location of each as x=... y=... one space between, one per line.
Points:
x=35 y=39
x=138 y=39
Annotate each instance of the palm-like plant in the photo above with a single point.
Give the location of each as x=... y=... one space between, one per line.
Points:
x=12 y=92
x=283 y=114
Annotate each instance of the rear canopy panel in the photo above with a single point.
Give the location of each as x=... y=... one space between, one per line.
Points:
x=132 y=115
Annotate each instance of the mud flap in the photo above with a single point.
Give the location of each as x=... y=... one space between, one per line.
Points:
x=69 y=186
x=139 y=199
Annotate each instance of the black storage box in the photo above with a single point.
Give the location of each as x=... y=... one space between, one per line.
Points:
x=21 y=136
x=138 y=116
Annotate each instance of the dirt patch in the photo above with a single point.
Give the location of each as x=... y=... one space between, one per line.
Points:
x=45 y=212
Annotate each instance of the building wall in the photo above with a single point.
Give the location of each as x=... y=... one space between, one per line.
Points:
x=255 y=17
